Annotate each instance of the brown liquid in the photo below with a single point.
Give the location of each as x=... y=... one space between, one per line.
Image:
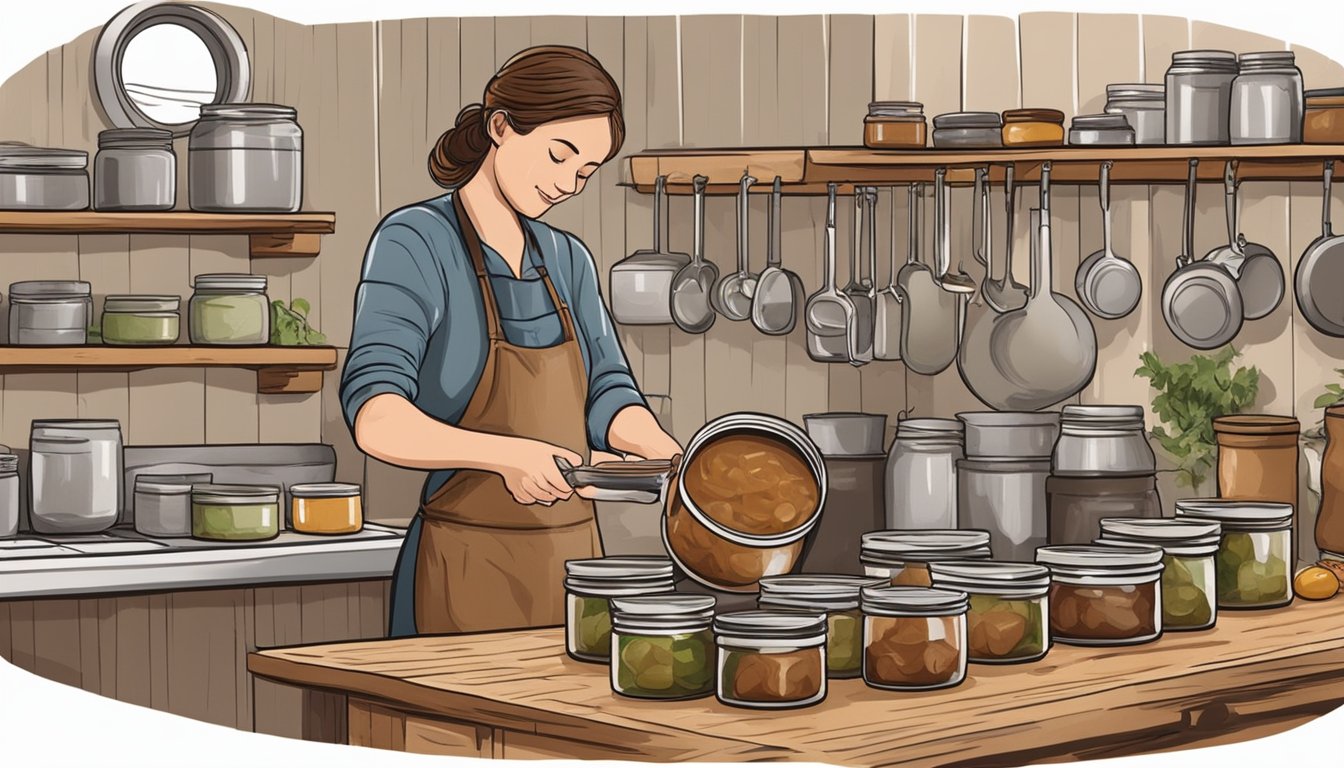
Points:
x=752 y=484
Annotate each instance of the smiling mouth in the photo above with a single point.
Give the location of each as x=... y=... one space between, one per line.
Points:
x=550 y=200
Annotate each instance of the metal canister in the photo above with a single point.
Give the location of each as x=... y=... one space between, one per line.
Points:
x=76 y=475
x=922 y=474
x=1100 y=130
x=1006 y=498
x=135 y=170
x=1101 y=440
x=1199 y=96
x=1267 y=99
x=246 y=157
x=50 y=312
x=1144 y=106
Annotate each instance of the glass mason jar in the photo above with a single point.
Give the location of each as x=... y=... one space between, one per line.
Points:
x=1267 y=99
x=140 y=320
x=904 y=556
x=1096 y=440
x=837 y=596
x=9 y=495
x=1009 y=616
x=771 y=659
x=235 y=512
x=76 y=475
x=1189 y=597
x=135 y=170
x=914 y=638
x=246 y=157
x=922 y=474
x=1104 y=595
x=1076 y=505
x=589 y=587
x=1144 y=106
x=895 y=125
x=662 y=646
x=229 y=309
x=55 y=312
x=1253 y=566
x=1199 y=96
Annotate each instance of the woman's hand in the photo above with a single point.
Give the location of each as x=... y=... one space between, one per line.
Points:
x=530 y=472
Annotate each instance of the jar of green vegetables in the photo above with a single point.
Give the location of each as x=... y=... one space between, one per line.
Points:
x=837 y=596
x=1008 y=620
x=589 y=587
x=662 y=646
x=1189 y=547
x=229 y=309
x=140 y=319
x=1253 y=565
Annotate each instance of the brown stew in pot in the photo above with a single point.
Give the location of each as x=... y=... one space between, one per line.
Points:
x=752 y=484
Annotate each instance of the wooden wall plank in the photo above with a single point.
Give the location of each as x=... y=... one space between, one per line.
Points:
x=477 y=61
x=891 y=57
x=991 y=64
x=22 y=638
x=56 y=640
x=1162 y=36
x=134 y=657
x=107 y=646
x=937 y=57
x=104 y=262
x=1109 y=51
x=28 y=86
x=231 y=413
x=6 y=640
x=161 y=646
x=90 y=671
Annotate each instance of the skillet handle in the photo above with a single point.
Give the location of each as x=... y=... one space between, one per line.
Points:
x=1329 y=177
x=1188 y=224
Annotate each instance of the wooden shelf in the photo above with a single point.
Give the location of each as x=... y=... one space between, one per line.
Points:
x=280 y=370
x=272 y=235
x=808 y=170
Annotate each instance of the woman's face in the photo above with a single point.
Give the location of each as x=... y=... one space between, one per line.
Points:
x=535 y=171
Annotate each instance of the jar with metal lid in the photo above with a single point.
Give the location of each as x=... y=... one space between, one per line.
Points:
x=1199 y=97
x=922 y=474
x=1103 y=440
x=229 y=309
x=968 y=130
x=1009 y=616
x=43 y=179
x=1257 y=457
x=9 y=495
x=1075 y=506
x=838 y=597
x=895 y=125
x=1006 y=498
x=327 y=509
x=163 y=503
x=1033 y=128
x=1267 y=99
x=662 y=646
x=246 y=157
x=771 y=659
x=235 y=512
x=1009 y=435
x=50 y=312
x=589 y=587
x=1101 y=130
x=140 y=319
x=914 y=638
x=1144 y=106
x=75 y=473
x=135 y=170
x=1104 y=595
x=1323 y=122
x=1189 y=598
x=903 y=557
x=1253 y=567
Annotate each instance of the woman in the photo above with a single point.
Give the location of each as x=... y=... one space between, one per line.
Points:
x=482 y=351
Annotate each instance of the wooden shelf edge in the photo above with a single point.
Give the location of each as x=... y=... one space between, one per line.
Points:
x=280 y=370
x=167 y=223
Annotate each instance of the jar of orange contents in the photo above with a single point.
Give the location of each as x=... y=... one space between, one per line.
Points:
x=326 y=508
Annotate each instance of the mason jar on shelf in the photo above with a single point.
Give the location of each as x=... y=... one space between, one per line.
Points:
x=229 y=309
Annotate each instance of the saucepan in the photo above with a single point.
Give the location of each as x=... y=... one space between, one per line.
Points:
x=1320 y=274
x=1256 y=269
x=641 y=283
x=1200 y=301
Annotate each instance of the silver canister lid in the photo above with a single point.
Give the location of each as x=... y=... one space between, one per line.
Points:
x=212 y=493
x=1136 y=92
x=23 y=157
x=895 y=109
x=1211 y=60
x=9 y=463
x=141 y=304
x=1102 y=122
x=1238 y=514
x=135 y=138
x=968 y=120
x=821 y=592
x=82 y=425
x=914 y=601
x=323 y=490
x=247 y=111
x=170 y=485
x=1266 y=60
x=230 y=282
x=770 y=625
x=50 y=289
x=929 y=428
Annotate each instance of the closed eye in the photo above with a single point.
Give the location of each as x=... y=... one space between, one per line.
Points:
x=554 y=159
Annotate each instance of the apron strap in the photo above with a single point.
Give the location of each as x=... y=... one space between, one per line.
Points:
x=561 y=309
x=470 y=238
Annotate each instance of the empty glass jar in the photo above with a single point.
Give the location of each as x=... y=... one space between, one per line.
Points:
x=135 y=170
x=922 y=474
x=1267 y=99
x=1199 y=96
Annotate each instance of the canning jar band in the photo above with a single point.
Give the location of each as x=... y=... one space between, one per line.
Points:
x=1133 y=579
x=767 y=644
x=583 y=588
x=921 y=613
x=810 y=603
x=890 y=560
x=1006 y=591
x=636 y=628
x=1178 y=550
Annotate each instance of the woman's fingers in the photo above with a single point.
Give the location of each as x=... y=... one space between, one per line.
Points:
x=553 y=480
x=537 y=491
x=521 y=496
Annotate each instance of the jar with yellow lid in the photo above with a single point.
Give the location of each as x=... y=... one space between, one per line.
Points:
x=1033 y=128
x=326 y=508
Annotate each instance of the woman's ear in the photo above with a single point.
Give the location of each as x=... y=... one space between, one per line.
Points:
x=498 y=126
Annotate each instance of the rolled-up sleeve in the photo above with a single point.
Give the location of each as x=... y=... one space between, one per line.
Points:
x=611 y=386
x=400 y=300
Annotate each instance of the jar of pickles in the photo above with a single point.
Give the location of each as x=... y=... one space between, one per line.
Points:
x=662 y=646
x=838 y=597
x=914 y=638
x=771 y=659
x=1253 y=565
x=1103 y=595
x=904 y=556
x=1009 y=616
x=589 y=587
x=1189 y=600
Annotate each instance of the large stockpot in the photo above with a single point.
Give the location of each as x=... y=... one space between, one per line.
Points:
x=719 y=557
x=1009 y=435
x=1103 y=440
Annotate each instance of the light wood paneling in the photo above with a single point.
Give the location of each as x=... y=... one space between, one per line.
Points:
x=891 y=62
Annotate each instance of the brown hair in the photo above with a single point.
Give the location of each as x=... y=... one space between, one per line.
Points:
x=535 y=87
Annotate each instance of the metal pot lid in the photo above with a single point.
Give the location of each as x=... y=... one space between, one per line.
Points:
x=229 y=281
x=142 y=303
x=324 y=490
x=938 y=542
x=624 y=567
x=24 y=157
x=76 y=424
x=1098 y=557
x=747 y=625
x=1236 y=511
x=968 y=120
x=50 y=289
x=992 y=572
x=833 y=592
x=246 y=111
x=1101 y=122
x=919 y=601
x=1202 y=305
x=673 y=606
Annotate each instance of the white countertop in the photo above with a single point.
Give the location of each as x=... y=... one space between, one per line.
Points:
x=124 y=561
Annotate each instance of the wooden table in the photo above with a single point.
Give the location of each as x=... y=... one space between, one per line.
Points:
x=516 y=695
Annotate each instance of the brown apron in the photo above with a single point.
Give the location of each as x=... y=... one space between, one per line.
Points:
x=485 y=561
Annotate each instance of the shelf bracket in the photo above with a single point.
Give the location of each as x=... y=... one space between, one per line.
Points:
x=270 y=246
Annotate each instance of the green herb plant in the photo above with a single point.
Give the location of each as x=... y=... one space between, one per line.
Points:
x=1190 y=396
x=1333 y=395
x=289 y=325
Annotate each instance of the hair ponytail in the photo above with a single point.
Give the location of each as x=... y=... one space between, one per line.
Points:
x=537 y=86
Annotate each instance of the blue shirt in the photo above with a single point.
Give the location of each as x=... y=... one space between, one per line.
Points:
x=419 y=328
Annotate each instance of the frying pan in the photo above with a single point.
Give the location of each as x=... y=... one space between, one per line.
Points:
x=1200 y=300
x=1256 y=269
x=693 y=283
x=1319 y=282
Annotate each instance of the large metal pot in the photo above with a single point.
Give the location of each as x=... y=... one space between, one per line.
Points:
x=720 y=557
x=1009 y=435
